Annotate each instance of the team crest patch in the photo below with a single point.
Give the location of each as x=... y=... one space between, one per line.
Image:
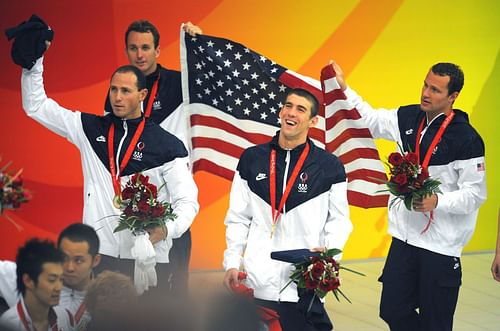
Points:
x=137 y=155
x=302 y=188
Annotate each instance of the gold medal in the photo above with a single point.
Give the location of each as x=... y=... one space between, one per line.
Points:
x=117 y=201
x=272 y=229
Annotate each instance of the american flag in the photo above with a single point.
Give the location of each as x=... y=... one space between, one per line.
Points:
x=234 y=95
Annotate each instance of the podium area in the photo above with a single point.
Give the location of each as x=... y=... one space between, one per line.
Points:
x=478 y=304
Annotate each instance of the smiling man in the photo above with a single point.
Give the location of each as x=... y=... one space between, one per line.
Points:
x=286 y=194
x=422 y=274
x=39 y=281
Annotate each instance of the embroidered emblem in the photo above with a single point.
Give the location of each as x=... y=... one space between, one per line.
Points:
x=302 y=188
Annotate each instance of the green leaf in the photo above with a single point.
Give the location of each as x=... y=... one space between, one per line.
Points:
x=408 y=202
x=333 y=251
x=353 y=271
x=120 y=227
x=342 y=293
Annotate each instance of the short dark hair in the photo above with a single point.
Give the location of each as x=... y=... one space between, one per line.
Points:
x=454 y=72
x=79 y=232
x=141 y=79
x=31 y=257
x=309 y=96
x=143 y=26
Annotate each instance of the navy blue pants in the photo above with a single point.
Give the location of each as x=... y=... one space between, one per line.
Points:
x=419 y=288
x=179 y=256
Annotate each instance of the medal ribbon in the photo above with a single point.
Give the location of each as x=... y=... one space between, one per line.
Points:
x=272 y=184
x=22 y=317
x=434 y=142
x=428 y=154
x=152 y=97
x=79 y=313
x=126 y=157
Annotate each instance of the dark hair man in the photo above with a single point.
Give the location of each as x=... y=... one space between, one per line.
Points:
x=39 y=281
x=422 y=270
x=286 y=194
x=142 y=46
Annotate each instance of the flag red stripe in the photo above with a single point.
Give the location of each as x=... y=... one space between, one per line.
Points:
x=343 y=114
x=218 y=145
x=202 y=120
x=208 y=166
x=359 y=153
x=346 y=135
x=367 y=175
x=334 y=95
x=367 y=201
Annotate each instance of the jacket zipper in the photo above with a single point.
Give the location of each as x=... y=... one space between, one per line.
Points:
x=285 y=179
x=120 y=145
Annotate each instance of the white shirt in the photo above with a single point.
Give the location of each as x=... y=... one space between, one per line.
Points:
x=17 y=318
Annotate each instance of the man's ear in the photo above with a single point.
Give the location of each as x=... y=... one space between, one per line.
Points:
x=157 y=51
x=97 y=260
x=28 y=282
x=313 y=121
x=452 y=97
x=143 y=93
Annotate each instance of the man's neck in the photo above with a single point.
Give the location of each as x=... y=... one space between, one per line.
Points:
x=38 y=312
x=285 y=143
x=433 y=115
x=151 y=70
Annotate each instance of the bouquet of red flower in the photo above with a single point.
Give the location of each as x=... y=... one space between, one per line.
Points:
x=12 y=193
x=409 y=180
x=140 y=206
x=320 y=274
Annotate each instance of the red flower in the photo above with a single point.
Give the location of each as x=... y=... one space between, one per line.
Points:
x=152 y=188
x=128 y=211
x=18 y=182
x=412 y=158
x=424 y=174
x=395 y=159
x=324 y=285
x=140 y=178
x=143 y=206
x=128 y=193
x=333 y=284
x=400 y=179
x=311 y=284
x=158 y=210
x=317 y=269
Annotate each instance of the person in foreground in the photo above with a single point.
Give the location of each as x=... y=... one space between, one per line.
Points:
x=163 y=105
x=286 y=194
x=422 y=272
x=79 y=244
x=39 y=281
x=113 y=148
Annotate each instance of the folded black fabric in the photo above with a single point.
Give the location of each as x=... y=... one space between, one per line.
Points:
x=314 y=310
x=29 y=43
x=294 y=255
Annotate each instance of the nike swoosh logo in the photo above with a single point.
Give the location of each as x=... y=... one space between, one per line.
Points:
x=260 y=176
x=101 y=139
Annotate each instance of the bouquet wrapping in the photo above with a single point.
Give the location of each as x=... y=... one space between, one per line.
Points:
x=142 y=211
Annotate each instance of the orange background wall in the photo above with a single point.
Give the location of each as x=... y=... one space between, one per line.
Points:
x=385 y=47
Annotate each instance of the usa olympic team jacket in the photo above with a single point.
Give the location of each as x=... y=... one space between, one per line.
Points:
x=457 y=162
x=167 y=109
x=316 y=214
x=158 y=154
